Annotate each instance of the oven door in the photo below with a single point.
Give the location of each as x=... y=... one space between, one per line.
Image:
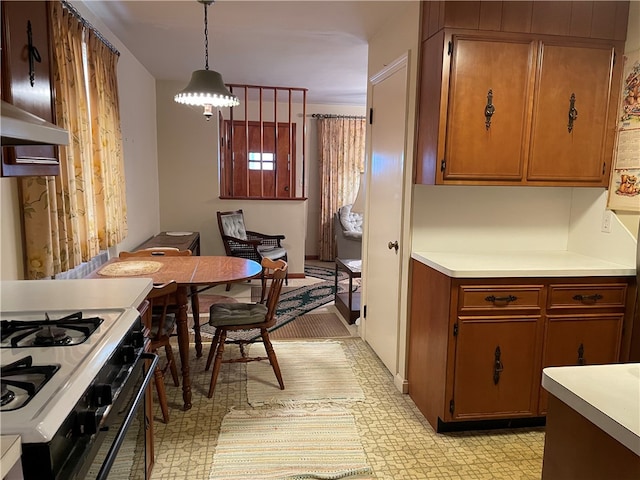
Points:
x=120 y=450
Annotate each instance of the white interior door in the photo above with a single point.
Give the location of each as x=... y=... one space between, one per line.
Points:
x=384 y=215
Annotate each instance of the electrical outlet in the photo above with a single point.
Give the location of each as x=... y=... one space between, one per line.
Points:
x=606 y=221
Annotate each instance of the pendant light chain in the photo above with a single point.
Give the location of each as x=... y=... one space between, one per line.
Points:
x=206 y=38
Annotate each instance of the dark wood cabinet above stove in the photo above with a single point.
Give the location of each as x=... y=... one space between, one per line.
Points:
x=27 y=82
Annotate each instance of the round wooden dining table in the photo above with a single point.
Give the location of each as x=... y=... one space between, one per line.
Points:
x=190 y=273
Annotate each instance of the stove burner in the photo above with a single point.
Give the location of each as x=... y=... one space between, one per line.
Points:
x=69 y=330
x=26 y=378
x=6 y=395
x=52 y=336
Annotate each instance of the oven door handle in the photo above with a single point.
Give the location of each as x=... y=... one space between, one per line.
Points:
x=113 y=451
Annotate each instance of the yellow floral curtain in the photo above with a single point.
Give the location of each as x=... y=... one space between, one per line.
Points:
x=108 y=162
x=341 y=145
x=69 y=218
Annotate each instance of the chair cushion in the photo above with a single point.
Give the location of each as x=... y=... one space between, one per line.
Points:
x=351 y=222
x=233 y=226
x=236 y=314
x=169 y=324
x=272 y=253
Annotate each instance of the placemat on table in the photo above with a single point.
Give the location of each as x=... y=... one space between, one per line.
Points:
x=129 y=268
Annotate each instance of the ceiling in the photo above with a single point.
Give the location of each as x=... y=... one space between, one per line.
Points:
x=318 y=45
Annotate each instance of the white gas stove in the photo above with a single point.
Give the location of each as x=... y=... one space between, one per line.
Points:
x=69 y=373
x=40 y=418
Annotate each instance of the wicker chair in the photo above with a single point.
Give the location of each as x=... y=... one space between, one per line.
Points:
x=243 y=243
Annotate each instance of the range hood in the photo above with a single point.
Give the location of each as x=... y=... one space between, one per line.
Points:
x=23 y=128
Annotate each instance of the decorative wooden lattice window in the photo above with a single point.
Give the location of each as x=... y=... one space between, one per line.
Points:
x=262 y=144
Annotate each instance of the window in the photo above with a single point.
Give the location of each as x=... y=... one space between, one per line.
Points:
x=258 y=161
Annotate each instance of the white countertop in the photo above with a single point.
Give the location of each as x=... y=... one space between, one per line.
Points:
x=554 y=263
x=11 y=451
x=606 y=395
x=81 y=294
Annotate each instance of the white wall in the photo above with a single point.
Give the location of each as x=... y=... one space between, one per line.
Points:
x=138 y=113
x=477 y=219
x=586 y=236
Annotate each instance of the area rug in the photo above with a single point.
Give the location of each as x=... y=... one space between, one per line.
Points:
x=293 y=303
x=312 y=325
x=289 y=444
x=315 y=371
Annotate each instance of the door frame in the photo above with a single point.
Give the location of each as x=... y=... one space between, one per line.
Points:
x=408 y=61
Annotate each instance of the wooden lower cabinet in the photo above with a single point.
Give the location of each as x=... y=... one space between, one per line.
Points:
x=495 y=365
x=477 y=347
x=580 y=340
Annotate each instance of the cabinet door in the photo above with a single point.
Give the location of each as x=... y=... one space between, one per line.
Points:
x=577 y=77
x=26 y=82
x=496 y=367
x=495 y=75
x=580 y=340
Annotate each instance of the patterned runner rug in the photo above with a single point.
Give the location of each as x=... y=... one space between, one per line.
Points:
x=312 y=372
x=288 y=443
x=293 y=302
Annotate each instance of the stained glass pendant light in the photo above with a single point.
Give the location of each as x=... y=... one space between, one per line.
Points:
x=206 y=87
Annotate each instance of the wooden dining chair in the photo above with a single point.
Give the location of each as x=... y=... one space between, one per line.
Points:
x=163 y=323
x=195 y=301
x=226 y=317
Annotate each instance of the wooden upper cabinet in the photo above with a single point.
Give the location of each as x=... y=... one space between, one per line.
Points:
x=27 y=82
x=489 y=104
x=577 y=77
x=496 y=85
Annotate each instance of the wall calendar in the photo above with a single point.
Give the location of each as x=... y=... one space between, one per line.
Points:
x=624 y=185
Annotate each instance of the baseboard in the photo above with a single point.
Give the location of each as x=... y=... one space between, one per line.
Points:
x=401 y=383
x=311 y=257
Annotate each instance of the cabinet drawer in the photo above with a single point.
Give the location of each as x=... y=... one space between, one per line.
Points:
x=496 y=297
x=587 y=296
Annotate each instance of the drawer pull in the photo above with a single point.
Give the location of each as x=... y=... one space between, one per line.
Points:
x=581 y=360
x=588 y=298
x=507 y=299
x=497 y=366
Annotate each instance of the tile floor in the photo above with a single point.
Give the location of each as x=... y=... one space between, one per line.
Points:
x=398 y=441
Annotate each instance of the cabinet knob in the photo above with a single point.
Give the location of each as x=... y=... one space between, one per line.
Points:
x=393 y=245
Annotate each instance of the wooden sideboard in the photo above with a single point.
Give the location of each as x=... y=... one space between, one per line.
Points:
x=180 y=240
